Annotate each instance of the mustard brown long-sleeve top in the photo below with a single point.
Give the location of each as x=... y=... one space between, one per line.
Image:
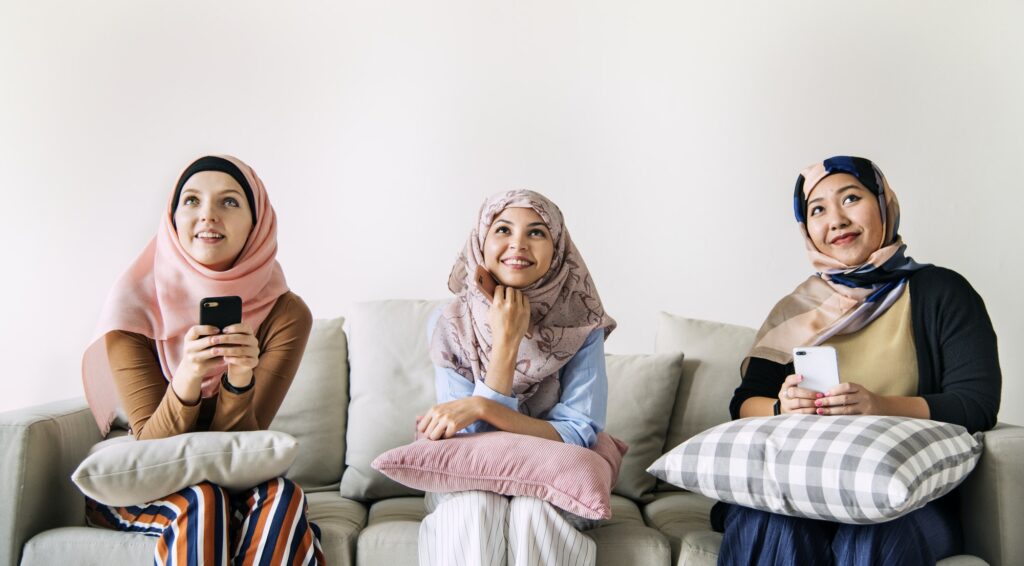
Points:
x=154 y=410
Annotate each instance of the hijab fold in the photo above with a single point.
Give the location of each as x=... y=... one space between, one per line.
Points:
x=564 y=310
x=158 y=295
x=838 y=299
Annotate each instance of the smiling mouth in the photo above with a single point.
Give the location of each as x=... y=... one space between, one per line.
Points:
x=209 y=237
x=516 y=263
x=844 y=239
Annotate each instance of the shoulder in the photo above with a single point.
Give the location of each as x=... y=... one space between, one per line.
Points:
x=289 y=311
x=939 y=283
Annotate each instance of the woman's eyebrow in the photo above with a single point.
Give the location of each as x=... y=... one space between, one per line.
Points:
x=847 y=187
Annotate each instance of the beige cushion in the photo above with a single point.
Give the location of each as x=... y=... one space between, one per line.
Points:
x=339 y=521
x=123 y=471
x=711 y=371
x=313 y=411
x=391 y=381
x=684 y=519
x=641 y=392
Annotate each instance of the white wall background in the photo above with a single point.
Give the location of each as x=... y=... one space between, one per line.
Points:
x=669 y=132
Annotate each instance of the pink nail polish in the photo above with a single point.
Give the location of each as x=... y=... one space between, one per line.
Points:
x=820 y=411
x=819 y=395
x=817 y=403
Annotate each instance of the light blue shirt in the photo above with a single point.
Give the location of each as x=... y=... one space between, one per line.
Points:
x=580 y=412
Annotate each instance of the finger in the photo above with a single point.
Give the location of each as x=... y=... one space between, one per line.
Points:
x=499 y=294
x=808 y=411
x=437 y=431
x=843 y=410
x=841 y=389
x=237 y=339
x=792 y=380
x=794 y=404
x=247 y=363
x=237 y=351
x=240 y=328
x=801 y=393
x=451 y=430
x=836 y=401
x=422 y=423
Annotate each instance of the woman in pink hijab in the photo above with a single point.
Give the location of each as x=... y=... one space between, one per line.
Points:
x=169 y=375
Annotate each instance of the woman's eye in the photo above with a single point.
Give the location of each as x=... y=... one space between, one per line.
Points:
x=501 y=230
x=538 y=233
x=190 y=200
x=851 y=198
x=231 y=202
x=816 y=210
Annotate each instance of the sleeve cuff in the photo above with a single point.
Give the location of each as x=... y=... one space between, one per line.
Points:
x=580 y=436
x=482 y=390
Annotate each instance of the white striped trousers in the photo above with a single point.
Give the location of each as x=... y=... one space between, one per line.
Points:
x=481 y=528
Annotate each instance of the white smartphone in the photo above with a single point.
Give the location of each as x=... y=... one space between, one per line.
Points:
x=819 y=366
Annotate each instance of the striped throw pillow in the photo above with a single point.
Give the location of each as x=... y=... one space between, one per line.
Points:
x=848 y=469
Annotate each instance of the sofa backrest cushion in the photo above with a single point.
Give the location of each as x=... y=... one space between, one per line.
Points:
x=711 y=371
x=314 y=410
x=641 y=392
x=392 y=381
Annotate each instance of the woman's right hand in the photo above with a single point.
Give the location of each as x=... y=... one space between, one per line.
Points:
x=508 y=317
x=796 y=399
x=197 y=360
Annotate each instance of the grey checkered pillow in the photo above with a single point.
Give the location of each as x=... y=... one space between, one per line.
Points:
x=850 y=469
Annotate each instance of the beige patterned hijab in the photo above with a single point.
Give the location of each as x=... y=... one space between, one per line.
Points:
x=838 y=299
x=564 y=309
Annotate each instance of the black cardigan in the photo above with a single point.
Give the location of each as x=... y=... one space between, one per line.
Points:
x=957 y=359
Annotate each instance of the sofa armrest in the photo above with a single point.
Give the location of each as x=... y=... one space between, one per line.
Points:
x=39 y=448
x=992 y=496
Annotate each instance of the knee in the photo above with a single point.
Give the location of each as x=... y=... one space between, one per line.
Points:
x=210 y=490
x=481 y=503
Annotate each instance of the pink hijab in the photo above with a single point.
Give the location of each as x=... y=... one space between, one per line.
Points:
x=564 y=309
x=158 y=296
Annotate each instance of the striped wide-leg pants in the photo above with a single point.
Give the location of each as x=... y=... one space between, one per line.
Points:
x=206 y=524
x=488 y=529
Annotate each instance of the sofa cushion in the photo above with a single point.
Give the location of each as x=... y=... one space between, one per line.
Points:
x=392 y=532
x=124 y=471
x=850 y=469
x=573 y=478
x=339 y=521
x=391 y=382
x=313 y=411
x=684 y=519
x=711 y=371
x=641 y=392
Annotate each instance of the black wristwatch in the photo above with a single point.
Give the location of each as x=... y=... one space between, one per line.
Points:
x=777 y=407
x=236 y=390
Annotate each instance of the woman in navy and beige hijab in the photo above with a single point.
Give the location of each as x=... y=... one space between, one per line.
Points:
x=912 y=340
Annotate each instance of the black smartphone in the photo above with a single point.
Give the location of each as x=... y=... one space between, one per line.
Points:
x=220 y=311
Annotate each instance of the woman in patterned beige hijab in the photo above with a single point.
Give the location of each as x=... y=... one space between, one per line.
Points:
x=528 y=358
x=911 y=340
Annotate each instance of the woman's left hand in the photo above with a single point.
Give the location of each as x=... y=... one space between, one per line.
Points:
x=849 y=399
x=445 y=419
x=241 y=351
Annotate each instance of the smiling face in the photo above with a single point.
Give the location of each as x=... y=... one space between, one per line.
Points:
x=843 y=219
x=213 y=219
x=518 y=247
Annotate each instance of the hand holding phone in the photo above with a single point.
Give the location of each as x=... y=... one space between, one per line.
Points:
x=485 y=282
x=819 y=367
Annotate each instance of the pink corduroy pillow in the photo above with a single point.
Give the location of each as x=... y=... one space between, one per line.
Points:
x=573 y=478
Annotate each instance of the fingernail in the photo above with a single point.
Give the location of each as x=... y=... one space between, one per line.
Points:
x=819 y=395
x=820 y=411
x=799 y=378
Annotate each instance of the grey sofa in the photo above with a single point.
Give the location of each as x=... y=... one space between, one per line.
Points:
x=343 y=407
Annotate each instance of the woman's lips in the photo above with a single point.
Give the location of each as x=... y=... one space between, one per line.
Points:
x=844 y=239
